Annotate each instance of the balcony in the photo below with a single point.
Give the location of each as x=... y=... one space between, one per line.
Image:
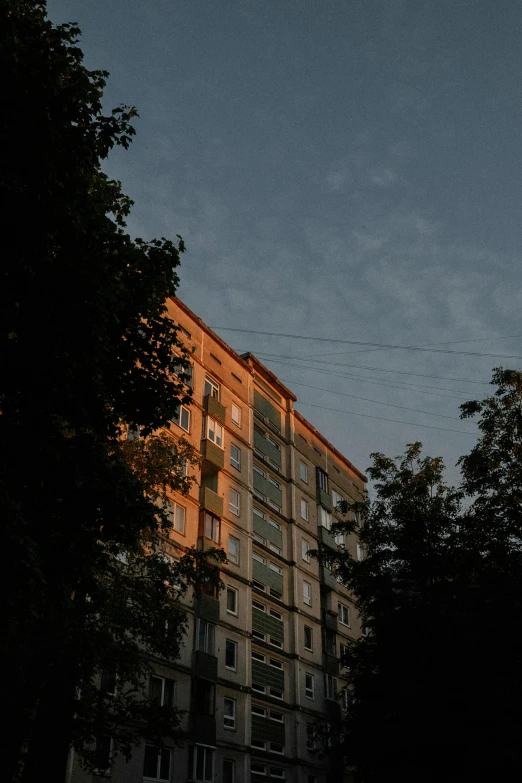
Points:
x=214 y=408
x=205 y=665
x=208 y=608
x=331 y=664
x=211 y=501
x=203 y=729
x=324 y=499
x=268 y=449
x=328 y=579
x=330 y=621
x=213 y=457
x=325 y=537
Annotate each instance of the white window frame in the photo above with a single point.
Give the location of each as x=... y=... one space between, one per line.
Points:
x=307 y=593
x=325 y=518
x=257 y=710
x=343 y=614
x=164 y=681
x=303 y=471
x=174 y=513
x=160 y=752
x=215 y=432
x=336 y=498
x=275 y=568
x=209 y=636
x=233 y=591
x=182 y=413
x=229 y=721
x=233 y=557
x=330 y=687
x=212 y=526
x=234 y=508
x=305 y=507
x=236 y=463
x=339 y=539
x=234 y=645
x=214 y=388
x=259 y=558
x=235 y=414
x=276 y=615
x=205 y=749
x=308 y=628
x=310 y=691
x=360 y=553
x=305 y=548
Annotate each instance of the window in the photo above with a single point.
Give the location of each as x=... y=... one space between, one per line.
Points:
x=258 y=606
x=108 y=680
x=211 y=388
x=330 y=643
x=336 y=499
x=157 y=763
x=275 y=548
x=258 y=585
x=161 y=691
x=182 y=417
x=259 y=539
x=325 y=518
x=232 y=600
x=258 y=688
x=305 y=510
x=310 y=736
x=275 y=663
x=309 y=686
x=215 y=432
x=204 y=697
x=275 y=524
x=277 y=716
x=230 y=654
x=259 y=558
x=257 y=710
x=229 y=713
x=234 y=502
x=339 y=539
x=276 y=694
x=275 y=568
x=303 y=472
x=276 y=615
x=307 y=593
x=212 y=527
x=346 y=699
x=307 y=638
x=176 y=517
x=276 y=748
x=259 y=513
x=343 y=651
x=235 y=457
x=229 y=771
x=236 y=415
x=322 y=479
x=305 y=548
x=233 y=549
x=257 y=656
x=357 y=517
x=201 y=764
x=330 y=686
x=277 y=772
x=344 y=614
x=360 y=553
x=364 y=630
x=206 y=634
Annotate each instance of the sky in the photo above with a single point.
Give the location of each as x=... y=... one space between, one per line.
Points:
x=345 y=170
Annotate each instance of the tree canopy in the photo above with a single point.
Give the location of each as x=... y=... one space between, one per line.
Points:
x=88 y=351
x=436 y=683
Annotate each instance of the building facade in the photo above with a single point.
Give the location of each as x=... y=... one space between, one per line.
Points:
x=259 y=674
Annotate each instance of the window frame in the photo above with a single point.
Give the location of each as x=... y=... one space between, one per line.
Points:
x=238 y=409
x=311 y=635
x=173 y=514
x=309 y=677
x=303 y=471
x=209 y=636
x=215 y=436
x=233 y=591
x=214 y=388
x=232 y=718
x=307 y=593
x=306 y=506
x=206 y=749
x=305 y=548
x=343 y=614
x=236 y=463
x=231 y=555
x=234 y=647
x=160 y=755
x=182 y=409
x=215 y=527
x=234 y=509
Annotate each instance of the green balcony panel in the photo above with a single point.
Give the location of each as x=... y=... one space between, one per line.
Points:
x=328 y=578
x=215 y=409
x=264 y=674
x=205 y=665
x=326 y=538
x=267 y=489
x=268 y=531
x=266 y=730
x=264 y=623
x=324 y=499
x=213 y=457
x=266 y=409
x=266 y=576
x=330 y=622
x=268 y=449
x=331 y=664
x=208 y=608
x=203 y=729
x=212 y=501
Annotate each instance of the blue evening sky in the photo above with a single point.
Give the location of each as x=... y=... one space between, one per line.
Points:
x=343 y=169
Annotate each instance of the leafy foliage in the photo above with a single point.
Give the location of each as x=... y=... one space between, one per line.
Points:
x=436 y=684
x=90 y=350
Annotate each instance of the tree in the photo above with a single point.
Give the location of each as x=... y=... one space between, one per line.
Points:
x=88 y=351
x=436 y=684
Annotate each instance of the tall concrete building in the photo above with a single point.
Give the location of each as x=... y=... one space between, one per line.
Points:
x=259 y=674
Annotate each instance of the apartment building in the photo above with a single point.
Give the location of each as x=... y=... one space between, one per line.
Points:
x=259 y=674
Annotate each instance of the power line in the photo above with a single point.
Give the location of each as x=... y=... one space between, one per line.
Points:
x=366 y=399
x=359 y=342
x=377 y=381
x=382 y=418
x=362 y=367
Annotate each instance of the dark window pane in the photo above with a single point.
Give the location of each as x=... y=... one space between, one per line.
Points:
x=168 y=694
x=150 y=766
x=228 y=771
x=155 y=690
x=165 y=764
